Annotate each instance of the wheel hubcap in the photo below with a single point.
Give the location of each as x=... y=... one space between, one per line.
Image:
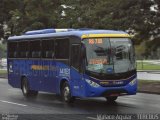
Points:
x=25 y=88
x=66 y=93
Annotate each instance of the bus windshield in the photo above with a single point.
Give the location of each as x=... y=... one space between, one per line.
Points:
x=109 y=55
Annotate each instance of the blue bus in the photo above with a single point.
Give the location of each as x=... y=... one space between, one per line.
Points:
x=73 y=63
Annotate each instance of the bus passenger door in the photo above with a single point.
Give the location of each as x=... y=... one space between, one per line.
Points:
x=76 y=76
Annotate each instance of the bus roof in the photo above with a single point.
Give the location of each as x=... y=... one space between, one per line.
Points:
x=72 y=32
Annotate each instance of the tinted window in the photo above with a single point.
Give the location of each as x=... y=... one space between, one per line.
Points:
x=75 y=56
x=35 y=49
x=23 y=49
x=47 y=48
x=62 y=49
x=109 y=55
x=12 y=50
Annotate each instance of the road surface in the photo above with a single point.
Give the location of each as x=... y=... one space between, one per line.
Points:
x=13 y=102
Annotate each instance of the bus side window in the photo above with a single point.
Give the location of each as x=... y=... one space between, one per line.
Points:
x=12 y=50
x=35 y=49
x=23 y=49
x=75 y=56
x=48 y=49
x=62 y=48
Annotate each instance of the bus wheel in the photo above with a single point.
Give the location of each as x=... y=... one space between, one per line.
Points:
x=26 y=90
x=111 y=99
x=66 y=94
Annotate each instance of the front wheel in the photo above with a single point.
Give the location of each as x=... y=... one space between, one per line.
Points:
x=26 y=90
x=111 y=99
x=66 y=93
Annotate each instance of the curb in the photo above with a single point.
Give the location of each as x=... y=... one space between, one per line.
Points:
x=3 y=76
x=149 y=92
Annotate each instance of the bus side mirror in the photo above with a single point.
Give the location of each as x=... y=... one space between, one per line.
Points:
x=133 y=42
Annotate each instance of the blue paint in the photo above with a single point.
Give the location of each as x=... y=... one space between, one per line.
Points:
x=46 y=80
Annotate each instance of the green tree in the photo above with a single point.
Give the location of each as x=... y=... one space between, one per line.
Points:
x=137 y=17
x=2 y=50
x=35 y=14
x=5 y=7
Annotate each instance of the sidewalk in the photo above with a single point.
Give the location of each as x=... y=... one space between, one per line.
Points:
x=149 y=75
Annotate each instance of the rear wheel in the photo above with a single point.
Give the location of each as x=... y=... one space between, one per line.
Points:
x=66 y=93
x=111 y=99
x=26 y=90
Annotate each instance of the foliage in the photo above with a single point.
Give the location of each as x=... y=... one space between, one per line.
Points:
x=2 y=50
x=142 y=65
x=134 y=16
x=35 y=14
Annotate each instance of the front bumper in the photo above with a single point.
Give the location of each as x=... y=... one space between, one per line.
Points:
x=129 y=89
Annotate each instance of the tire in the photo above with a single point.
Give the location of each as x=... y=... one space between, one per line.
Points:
x=111 y=99
x=26 y=90
x=66 y=94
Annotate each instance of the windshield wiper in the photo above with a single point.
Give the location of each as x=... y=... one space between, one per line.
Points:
x=96 y=73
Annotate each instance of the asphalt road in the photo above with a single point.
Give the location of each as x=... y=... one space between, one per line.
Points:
x=45 y=105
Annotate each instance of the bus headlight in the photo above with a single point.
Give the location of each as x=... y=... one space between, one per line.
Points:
x=91 y=83
x=133 y=81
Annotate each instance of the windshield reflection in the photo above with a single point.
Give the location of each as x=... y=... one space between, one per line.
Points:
x=111 y=55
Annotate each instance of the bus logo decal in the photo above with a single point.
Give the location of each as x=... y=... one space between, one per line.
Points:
x=64 y=72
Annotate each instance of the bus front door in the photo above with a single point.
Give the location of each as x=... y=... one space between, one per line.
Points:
x=76 y=76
